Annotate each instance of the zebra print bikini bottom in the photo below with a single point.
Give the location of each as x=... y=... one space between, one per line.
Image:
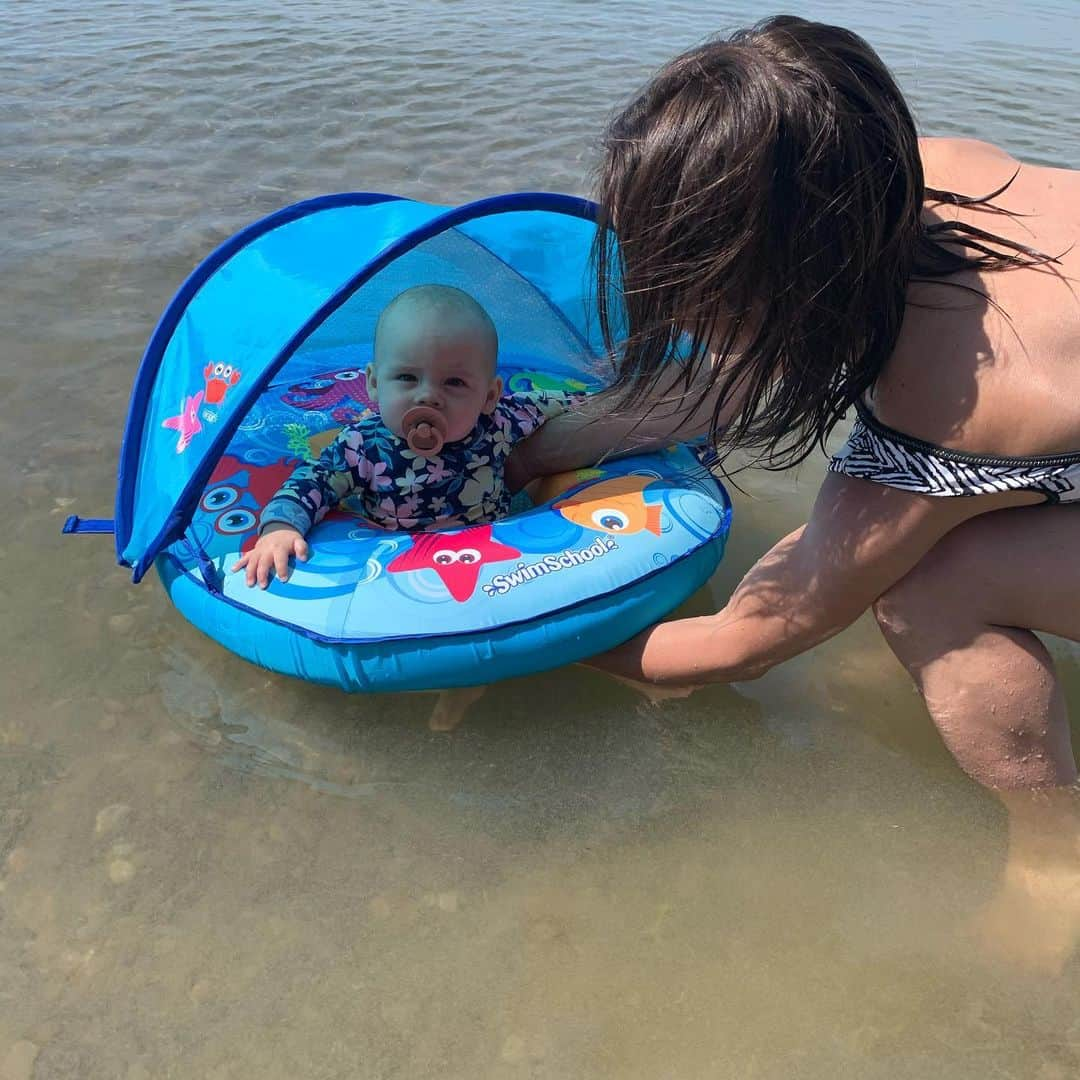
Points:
x=878 y=453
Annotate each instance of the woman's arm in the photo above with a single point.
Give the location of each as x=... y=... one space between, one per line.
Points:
x=861 y=539
x=596 y=430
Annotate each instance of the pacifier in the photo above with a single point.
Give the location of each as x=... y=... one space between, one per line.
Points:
x=425 y=430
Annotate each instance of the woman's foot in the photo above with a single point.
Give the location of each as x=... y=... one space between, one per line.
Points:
x=1034 y=921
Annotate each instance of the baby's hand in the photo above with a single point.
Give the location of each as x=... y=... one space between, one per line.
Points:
x=271 y=552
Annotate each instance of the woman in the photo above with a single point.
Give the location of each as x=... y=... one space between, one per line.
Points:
x=781 y=226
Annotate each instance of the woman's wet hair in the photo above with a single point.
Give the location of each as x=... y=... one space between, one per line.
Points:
x=768 y=196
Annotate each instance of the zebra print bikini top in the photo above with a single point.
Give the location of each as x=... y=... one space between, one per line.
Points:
x=878 y=453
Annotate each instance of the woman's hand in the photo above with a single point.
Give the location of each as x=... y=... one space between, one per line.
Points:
x=653 y=693
x=272 y=551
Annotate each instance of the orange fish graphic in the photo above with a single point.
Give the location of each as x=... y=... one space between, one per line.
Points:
x=614 y=506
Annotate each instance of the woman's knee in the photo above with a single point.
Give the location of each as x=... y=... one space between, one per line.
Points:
x=944 y=623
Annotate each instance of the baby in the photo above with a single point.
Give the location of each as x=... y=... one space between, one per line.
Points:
x=434 y=455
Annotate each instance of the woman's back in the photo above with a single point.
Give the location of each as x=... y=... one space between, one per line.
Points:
x=1000 y=377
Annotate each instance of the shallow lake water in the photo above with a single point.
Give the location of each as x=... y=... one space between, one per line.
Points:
x=210 y=871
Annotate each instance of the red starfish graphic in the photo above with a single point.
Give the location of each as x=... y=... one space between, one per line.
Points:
x=455 y=557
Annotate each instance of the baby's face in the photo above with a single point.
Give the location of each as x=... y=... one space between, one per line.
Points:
x=450 y=372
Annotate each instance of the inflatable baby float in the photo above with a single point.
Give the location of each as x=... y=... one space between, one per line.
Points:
x=257 y=364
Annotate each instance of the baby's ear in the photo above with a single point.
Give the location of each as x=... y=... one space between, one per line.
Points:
x=371 y=383
x=494 y=393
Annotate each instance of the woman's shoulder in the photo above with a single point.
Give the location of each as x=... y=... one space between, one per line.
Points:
x=935 y=148
x=975 y=167
x=943 y=157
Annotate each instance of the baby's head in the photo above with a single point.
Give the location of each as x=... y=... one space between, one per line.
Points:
x=435 y=346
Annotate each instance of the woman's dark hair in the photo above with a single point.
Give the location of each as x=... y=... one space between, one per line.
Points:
x=767 y=193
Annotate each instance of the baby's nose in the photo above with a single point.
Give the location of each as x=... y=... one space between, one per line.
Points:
x=430 y=395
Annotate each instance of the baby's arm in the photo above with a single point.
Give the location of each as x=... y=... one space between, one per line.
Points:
x=521 y=414
x=313 y=489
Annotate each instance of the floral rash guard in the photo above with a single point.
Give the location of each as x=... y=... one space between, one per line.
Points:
x=398 y=489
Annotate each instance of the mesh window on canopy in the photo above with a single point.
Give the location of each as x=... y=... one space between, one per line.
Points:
x=532 y=330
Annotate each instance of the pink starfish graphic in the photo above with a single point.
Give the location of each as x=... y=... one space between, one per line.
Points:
x=187 y=422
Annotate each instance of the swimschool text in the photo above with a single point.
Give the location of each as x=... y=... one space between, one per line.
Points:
x=501 y=584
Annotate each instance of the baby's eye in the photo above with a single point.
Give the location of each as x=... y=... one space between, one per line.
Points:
x=455 y=382
x=405 y=377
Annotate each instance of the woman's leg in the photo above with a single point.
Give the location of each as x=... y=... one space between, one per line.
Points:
x=958 y=622
x=961 y=623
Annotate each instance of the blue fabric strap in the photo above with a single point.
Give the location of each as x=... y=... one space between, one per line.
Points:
x=206 y=565
x=76 y=524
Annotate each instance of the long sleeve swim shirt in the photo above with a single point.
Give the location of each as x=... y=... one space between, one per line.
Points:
x=395 y=488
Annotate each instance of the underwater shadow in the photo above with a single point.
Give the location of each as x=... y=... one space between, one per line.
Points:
x=567 y=749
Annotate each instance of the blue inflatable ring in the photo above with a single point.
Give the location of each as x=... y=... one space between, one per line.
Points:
x=260 y=360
